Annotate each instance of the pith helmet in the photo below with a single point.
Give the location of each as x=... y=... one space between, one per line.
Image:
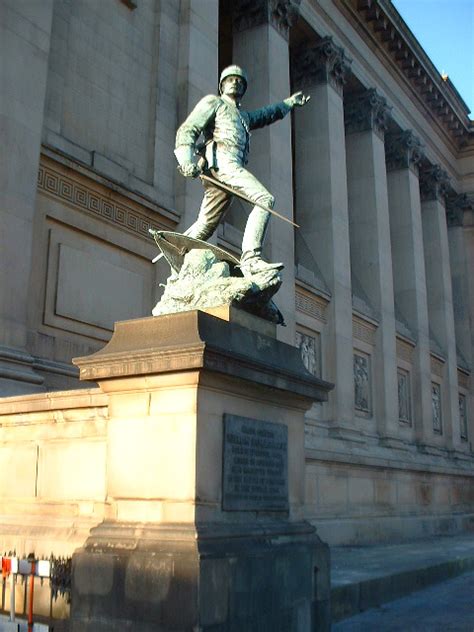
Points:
x=233 y=71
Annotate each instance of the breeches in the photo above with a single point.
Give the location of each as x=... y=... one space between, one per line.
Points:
x=216 y=202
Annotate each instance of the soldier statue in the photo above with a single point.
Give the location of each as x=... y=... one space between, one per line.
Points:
x=225 y=129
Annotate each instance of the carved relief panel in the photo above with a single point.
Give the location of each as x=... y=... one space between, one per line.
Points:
x=404 y=396
x=463 y=416
x=310 y=347
x=436 y=407
x=362 y=383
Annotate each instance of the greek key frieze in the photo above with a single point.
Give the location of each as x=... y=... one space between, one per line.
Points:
x=81 y=197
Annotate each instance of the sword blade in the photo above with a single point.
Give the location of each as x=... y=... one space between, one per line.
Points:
x=242 y=196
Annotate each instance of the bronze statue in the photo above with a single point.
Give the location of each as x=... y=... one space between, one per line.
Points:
x=226 y=128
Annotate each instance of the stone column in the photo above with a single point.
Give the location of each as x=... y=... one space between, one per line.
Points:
x=403 y=153
x=455 y=213
x=261 y=46
x=25 y=33
x=371 y=259
x=434 y=185
x=197 y=76
x=321 y=207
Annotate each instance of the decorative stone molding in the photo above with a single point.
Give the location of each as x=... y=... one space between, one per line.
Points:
x=363 y=331
x=455 y=207
x=403 y=150
x=311 y=305
x=404 y=351
x=463 y=380
x=281 y=14
x=322 y=63
x=80 y=196
x=381 y=22
x=437 y=367
x=367 y=111
x=434 y=183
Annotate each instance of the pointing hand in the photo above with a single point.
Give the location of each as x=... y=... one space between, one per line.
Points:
x=297 y=99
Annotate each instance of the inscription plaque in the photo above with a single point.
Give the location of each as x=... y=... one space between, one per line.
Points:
x=255 y=465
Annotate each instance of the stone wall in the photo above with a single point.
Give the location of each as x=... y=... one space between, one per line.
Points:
x=54 y=452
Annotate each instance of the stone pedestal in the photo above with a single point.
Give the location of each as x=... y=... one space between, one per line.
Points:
x=205 y=479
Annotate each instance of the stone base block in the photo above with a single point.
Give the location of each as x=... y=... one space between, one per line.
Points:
x=265 y=577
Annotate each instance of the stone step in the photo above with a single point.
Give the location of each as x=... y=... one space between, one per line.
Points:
x=367 y=576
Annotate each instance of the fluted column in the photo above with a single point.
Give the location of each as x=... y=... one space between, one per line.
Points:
x=366 y=118
x=434 y=186
x=321 y=208
x=403 y=153
x=25 y=34
x=260 y=44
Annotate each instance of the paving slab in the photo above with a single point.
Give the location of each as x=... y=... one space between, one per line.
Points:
x=367 y=576
x=444 y=607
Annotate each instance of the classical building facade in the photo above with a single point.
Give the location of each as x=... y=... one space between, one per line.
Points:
x=377 y=170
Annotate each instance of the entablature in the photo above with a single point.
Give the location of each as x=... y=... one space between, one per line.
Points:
x=380 y=19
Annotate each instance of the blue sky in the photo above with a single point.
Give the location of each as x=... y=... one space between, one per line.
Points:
x=445 y=29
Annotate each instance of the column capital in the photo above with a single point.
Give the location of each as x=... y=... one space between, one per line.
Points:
x=281 y=14
x=324 y=62
x=455 y=207
x=366 y=111
x=403 y=150
x=434 y=183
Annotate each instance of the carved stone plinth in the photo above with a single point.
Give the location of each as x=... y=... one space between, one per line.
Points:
x=205 y=483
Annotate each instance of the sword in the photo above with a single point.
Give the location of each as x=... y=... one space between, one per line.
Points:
x=224 y=187
x=242 y=196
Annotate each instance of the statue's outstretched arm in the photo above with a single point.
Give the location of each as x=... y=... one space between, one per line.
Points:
x=271 y=113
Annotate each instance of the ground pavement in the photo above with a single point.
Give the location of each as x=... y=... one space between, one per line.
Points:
x=366 y=577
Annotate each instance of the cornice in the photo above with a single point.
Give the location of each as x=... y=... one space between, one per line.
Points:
x=384 y=23
x=323 y=62
x=366 y=111
x=281 y=14
x=403 y=150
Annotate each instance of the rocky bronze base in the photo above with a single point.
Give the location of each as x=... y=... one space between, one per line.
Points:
x=204 y=280
x=262 y=577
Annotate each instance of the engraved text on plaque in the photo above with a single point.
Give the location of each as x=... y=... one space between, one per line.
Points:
x=255 y=472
